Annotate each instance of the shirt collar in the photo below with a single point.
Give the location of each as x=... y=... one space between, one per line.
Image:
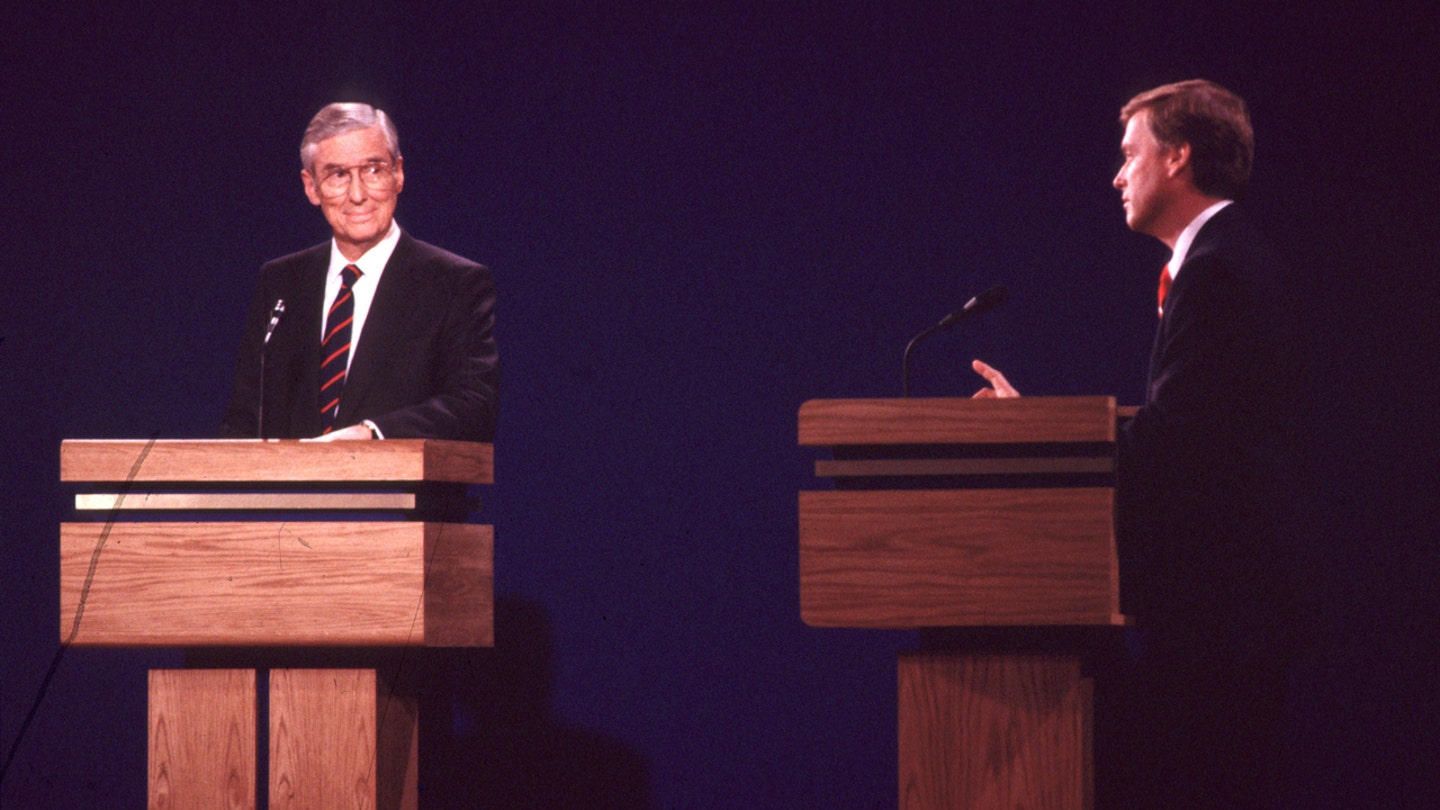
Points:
x=1187 y=236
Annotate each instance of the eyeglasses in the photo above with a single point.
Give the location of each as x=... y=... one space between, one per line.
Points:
x=376 y=175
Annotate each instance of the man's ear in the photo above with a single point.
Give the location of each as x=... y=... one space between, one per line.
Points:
x=311 y=192
x=1177 y=159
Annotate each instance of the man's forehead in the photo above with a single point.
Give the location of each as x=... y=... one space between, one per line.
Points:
x=1136 y=129
x=356 y=146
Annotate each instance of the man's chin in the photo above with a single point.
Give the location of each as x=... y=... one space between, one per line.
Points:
x=358 y=242
x=365 y=234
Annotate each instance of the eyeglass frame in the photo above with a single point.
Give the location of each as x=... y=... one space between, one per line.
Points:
x=375 y=175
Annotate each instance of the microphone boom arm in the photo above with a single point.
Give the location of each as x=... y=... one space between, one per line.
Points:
x=979 y=305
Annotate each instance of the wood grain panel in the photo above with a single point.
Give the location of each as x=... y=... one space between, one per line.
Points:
x=1001 y=731
x=459 y=585
x=322 y=738
x=202 y=738
x=224 y=461
x=832 y=422
x=397 y=755
x=941 y=558
x=278 y=583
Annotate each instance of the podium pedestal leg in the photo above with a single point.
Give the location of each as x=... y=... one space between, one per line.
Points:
x=322 y=738
x=202 y=738
x=994 y=731
x=397 y=755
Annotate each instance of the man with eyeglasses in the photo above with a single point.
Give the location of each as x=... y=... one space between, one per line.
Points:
x=373 y=334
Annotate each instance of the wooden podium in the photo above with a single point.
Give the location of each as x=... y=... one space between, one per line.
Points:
x=277 y=544
x=993 y=515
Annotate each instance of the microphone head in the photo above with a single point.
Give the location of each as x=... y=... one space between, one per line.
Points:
x=986 y=301
x=979 y=305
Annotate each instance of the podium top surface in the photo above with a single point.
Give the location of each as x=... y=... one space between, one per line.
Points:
x=292 y=461
x=1026 y=420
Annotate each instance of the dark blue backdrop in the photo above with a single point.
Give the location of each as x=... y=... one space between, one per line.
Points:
x=698 y=219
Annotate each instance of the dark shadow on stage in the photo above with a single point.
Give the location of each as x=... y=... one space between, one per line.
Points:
x=488 y=738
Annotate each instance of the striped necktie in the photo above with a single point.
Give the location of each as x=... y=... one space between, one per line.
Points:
x=1165 y=282
x=335 y=348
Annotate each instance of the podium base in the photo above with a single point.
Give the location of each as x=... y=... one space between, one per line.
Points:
x=994 y=731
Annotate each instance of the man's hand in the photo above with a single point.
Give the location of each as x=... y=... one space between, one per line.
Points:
x=349 y=434
x=1000 y=387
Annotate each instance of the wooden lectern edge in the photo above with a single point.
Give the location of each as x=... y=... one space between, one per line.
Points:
x=425 y=466
x=1118 y=414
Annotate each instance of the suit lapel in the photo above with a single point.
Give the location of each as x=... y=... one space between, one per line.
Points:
x=1223 y=221
x=306 y=300
x=389 y=312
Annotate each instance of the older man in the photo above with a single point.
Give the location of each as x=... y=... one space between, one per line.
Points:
x=1205 y=475
x=373 y=334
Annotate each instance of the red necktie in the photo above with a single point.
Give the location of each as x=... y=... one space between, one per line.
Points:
x=1165 y=282
x=335 y=348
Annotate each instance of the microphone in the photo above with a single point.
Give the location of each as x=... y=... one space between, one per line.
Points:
x=979 y=305
x=280 y=310
x=275 y=313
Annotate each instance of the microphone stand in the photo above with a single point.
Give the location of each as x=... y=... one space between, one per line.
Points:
x=979 y=305
x=260 y=406
x=265 y=344
x=905 y=362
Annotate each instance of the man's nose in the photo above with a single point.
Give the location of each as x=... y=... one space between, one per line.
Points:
x=1119 y=181
x=357 y=190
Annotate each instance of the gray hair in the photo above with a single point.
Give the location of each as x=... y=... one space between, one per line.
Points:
x=340 y=118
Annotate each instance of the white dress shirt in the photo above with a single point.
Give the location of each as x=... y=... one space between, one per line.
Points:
x=1187 y=236
x=372 y=266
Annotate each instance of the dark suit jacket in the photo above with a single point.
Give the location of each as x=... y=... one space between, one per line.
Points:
x=1207 y=465
x=425 y=367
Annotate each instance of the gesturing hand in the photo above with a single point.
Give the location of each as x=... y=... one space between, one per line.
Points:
x=1000 y=387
